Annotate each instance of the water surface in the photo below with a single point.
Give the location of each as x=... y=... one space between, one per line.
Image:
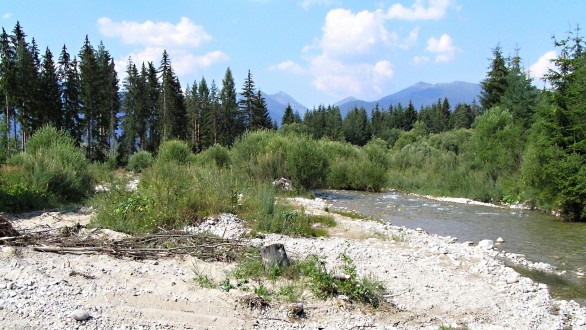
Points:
x=542 y=238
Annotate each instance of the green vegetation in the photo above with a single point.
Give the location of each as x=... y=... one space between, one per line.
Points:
x=140 y=161
x=288 y=283
x=520 y=145
x=52 y=172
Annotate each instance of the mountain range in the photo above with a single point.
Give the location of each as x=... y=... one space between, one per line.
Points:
x=421 y=94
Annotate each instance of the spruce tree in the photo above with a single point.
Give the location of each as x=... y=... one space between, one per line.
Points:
x=288 y=116
x=260 y=114
x=204 y=105
x=90 y=87
x=230 y=127
x=246 y=104
x=50 y=97
x=7 y=83
x=193 y=115
x=356 y=127
x=70 y=92
x=495 y=84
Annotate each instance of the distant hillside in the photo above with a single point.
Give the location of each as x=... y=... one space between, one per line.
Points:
x=420 y=94
x=276 y=103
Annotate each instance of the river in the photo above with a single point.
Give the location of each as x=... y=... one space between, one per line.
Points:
x=540 y=237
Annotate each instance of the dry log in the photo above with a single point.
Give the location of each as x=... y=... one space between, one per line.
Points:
x=274 y=255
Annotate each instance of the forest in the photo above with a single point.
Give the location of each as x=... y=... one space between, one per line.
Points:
x=70 y=124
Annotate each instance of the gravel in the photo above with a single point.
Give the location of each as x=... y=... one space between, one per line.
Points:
x=430 y=281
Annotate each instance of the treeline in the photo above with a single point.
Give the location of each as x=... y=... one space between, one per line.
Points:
x=520 y=144
x=80 y=94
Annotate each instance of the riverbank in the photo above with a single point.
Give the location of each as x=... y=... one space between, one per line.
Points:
x=430 y=280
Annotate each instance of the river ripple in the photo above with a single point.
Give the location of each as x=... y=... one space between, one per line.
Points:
x=541 y=238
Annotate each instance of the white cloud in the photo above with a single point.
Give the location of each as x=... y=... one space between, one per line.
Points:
x=341 y=79
x=417 y=60
x=411 y=39
x=418 y=11
x=155 y=34
x=538 y=69
x=351 y=57
x=443 y=47
x=6 y=15
x=288 y=66
x=183 y=62
x=180 y=40
x=308 y=3
x=345 y=32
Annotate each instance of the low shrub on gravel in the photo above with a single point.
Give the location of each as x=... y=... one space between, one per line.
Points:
x=288 y=283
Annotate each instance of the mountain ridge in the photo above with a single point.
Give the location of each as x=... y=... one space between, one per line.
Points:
x=420 y=93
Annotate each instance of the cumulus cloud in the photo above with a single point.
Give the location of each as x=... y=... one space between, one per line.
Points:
x=443 y=48
x=288 y=66
x=418 y=11
x=345 y=32
x=538 y=69
x=351 y=57
x=155 y=34
x=180 y=40
x=340 y=79
x=6 y=15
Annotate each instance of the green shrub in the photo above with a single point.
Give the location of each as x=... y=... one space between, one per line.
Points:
x=217 y=154
x=140 y=161
x=307 y=163
x=52 y=171
x=174 y=151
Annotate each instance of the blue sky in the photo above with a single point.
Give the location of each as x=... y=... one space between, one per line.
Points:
x=318 y=51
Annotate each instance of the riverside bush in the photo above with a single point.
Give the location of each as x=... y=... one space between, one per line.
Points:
x=140 y=161
x=174 y=151
x=51 y=171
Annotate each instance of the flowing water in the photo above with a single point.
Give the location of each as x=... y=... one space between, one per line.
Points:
x=541 y=238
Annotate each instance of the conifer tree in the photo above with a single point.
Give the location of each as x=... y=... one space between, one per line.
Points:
x=49 y=97
x=204 y=106
x=246 y=104
x=7 y=83
x=172 y=103
x=288 y=117
x=193 y=115
x=493 y=87
x=260 y=114
x=70 y=93
x=356 y=127
x=520 y=97
x=230 y=127
x=152 y=107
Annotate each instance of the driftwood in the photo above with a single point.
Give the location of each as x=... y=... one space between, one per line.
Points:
x=274 y=255
x=169 y=244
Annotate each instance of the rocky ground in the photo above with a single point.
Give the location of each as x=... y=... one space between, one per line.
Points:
x=431 y=281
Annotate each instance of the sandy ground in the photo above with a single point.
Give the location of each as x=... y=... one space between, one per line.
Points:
x=431 y=281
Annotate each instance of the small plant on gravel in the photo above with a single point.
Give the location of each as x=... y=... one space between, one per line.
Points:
x=202 y=279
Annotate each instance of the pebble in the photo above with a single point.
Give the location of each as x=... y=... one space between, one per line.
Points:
x=486 y=244
x=500 y=240
x=80 y=315
x=9 y=251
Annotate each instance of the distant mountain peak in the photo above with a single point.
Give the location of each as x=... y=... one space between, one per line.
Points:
x=346 y=100
x=420 y=94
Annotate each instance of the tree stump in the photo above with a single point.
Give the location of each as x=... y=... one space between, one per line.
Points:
x=6 y=229
x=274 y=255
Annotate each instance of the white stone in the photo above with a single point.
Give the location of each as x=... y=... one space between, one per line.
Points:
x=486 y=244
x=9 y=251
x=80 y=315
x=500 y=240
x=419 y=230
x=512 y=279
